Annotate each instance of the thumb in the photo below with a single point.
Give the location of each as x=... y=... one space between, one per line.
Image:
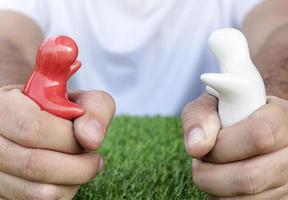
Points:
x=201 y=125
x=90 y=129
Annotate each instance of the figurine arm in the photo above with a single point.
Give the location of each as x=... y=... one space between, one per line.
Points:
x=19 y=40
x=222 y=83
x=74 y=68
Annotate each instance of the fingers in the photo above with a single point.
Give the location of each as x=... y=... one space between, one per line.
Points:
x=248 y=177
x=273 y=194
x=201 y=125
x=277 y=101
x=23 y=122
x=91 y=128
x=263 y=132
x=48 y=166
x=14 y=188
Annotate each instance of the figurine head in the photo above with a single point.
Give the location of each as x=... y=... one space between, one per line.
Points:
x=229 y=47
x=57 y=54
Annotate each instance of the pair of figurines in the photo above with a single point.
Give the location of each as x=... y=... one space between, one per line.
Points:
x=239 y=87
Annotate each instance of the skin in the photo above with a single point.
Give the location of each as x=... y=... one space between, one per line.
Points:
x=43 y=156
x=249 y=159
x=45 y=163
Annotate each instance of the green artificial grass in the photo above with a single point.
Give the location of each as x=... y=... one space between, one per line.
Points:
x=144 y=159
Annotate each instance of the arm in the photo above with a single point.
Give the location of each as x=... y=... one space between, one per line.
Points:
x=266 y=28
x=19 y=40
x=246 y=160
x=41 y=146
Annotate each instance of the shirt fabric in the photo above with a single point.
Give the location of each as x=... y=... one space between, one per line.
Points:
x=148 y=54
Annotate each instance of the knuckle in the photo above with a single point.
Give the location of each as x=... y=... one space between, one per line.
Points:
x=189 y=108
x=107 y=98
x=188 y=113
x=276 y=113
x=13 y=97
x=44 y=192
x=5 y=148
x=196 y=177
x=249 y=180
x=9 y=87
x=195 y=105
x=276 y=109
x=199 y=111
x=33 y=168
x=92 y=169
x=87 y=176
x=28 y=126
x=210 y=119
x=186 y=116
x=196 y=181
x=9 y=100
x=90 y=173
x=213 y=119
x=262 y=135
x=14 y=93
x=217 y=198
x=214 y=156
x=103 y=96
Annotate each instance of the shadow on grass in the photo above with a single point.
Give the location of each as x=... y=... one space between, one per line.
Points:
x=145 y=159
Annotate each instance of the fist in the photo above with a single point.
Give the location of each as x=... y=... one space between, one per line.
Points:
x=245 y=161
x=46 y=157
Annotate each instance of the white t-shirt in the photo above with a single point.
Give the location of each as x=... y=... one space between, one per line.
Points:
x=148 y=54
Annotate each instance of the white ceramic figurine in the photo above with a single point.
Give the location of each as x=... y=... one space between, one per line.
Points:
x=239 y=87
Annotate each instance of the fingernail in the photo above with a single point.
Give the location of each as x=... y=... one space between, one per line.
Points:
x=194 y=137
x=101 y=164
x=94 y=131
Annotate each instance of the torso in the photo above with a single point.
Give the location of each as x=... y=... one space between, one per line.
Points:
x=148 y=54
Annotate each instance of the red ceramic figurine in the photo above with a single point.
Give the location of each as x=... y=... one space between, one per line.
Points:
x=47 y=86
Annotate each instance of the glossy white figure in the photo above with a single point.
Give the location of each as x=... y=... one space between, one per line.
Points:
x=239 y=87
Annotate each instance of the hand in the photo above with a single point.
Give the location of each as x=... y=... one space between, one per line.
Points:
x=245 y=161
x=43 y=156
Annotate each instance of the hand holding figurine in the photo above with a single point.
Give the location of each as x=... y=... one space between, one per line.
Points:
x=244 y=156
x=44 y=156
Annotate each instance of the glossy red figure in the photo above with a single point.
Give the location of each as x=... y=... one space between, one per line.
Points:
x=47 y=86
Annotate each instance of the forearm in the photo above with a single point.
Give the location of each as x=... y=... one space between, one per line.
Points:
x=14 y=69
x=272 y=62
x=266 y=28
x=19 y=39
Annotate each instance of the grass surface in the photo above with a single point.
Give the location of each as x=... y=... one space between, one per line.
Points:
x=145 y=159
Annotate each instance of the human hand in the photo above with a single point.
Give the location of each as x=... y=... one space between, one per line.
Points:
x=46 y=157
x=245 y=161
